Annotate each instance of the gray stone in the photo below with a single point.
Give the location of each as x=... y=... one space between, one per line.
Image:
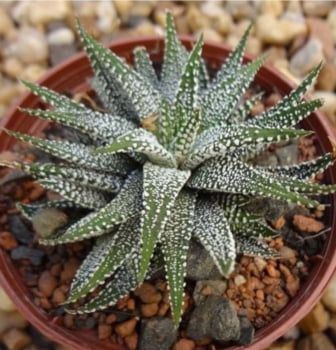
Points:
x=307 y=58
x=60 y=52
x=35 y=256
x=19 y=229
x=288 y=155
x=246 y=331
x=200 y=265
x=48 y=221
x=157 y=333
x=216 y=318
x=216 y=287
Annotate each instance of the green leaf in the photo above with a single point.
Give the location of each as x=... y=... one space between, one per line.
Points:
x=90 y=178
x=124 y=206
x=29 y=210
x=218 y=141
x=78 y=154
x=289 y=111
x=286 y=116
x=113 y=96
x=255 y=247
x=175 y=244
x=185 y=112
x=144 y=66
x=219 y=102
x=186 y=136
x=234 y=60
x=212 y=229
x=160 y=189
x=174 y=60
x=110 y=251
x=140 y=141
x=188 y=85
x=122 y=283
x=53 y=98
x=96 y=124
x=256 y=229
x=165 y=129
x=144 y=97
x=79 y=194
x=303 y=171
x=233 y=176
x=239 y=115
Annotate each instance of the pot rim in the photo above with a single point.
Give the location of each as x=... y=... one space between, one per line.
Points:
x=297 y=308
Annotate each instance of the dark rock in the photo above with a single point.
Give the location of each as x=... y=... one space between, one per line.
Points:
x=35 y=256
x=90 y=323
x=19 y=229
x=200 y=265
x=48 y=221
x=157 y=333
x=288 y=155
x=216 y=318
x=246 y=331
x=58 y=53
x=214 y=287
x=39 y=339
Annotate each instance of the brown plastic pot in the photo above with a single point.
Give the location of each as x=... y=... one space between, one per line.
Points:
x=71 y=76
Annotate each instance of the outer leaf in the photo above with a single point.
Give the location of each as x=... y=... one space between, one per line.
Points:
x=219 y=102
x=256 y=229
x=175 y=244
x=79 y=154
x=55 y=99
x=213 y=231
x=214 y=141
x=113 y=96
x=288 y=116
x=241 y=112
x=124 y=206
x=29 y=210
x=160 y=189
x=122 y=283
x=284 y=113
x=96 y=124
x=254 y=247
x=234 y=60
x=144 y=66
x=140 y=141
x=143 y=96
x=233 y=176
x=303 y=171
x=101 y=181
x=81 y=195
x=104 y=259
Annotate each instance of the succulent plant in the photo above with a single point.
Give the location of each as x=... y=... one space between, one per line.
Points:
x=167 y=161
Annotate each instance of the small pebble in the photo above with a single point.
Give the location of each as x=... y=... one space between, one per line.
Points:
x=47 y=283
x=126 y=328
